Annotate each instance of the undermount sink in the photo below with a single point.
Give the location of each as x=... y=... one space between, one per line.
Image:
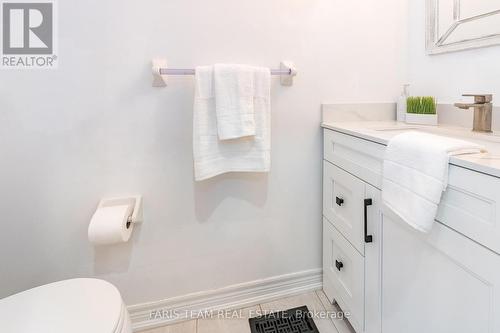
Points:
x=456 y=132
x=396 y=128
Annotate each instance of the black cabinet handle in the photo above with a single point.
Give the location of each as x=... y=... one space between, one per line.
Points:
x=339 y=265
x=368 y=238
x=339 y=201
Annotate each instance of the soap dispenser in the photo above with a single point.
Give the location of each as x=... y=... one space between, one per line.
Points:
x=401 y=109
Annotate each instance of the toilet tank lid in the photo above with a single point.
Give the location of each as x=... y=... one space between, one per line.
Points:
x=77 y=305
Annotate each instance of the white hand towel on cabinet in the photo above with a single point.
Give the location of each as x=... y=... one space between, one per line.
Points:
x=247 y=154
x=234 y=100
x=415 y=175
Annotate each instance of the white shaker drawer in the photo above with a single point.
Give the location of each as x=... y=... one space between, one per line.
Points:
x=343 y=199
x=360 y=157
x=343 y=275
x=471 y=205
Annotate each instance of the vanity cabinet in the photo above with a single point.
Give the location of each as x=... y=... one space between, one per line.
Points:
x=404 y=280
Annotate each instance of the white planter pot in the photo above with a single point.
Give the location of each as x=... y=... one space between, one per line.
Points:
x=422 y=119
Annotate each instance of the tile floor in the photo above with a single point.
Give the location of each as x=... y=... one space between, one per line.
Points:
x=315 y=301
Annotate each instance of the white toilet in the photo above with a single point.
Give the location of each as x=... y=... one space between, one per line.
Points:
x=76 y=306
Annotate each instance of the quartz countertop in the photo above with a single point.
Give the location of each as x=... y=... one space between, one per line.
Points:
x=382 y=131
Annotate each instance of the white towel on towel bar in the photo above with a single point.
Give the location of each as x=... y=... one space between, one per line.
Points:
x=247 y=154
x=234 y=100
x=415 y=175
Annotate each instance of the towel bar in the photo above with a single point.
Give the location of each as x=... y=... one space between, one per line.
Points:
x=287 y=71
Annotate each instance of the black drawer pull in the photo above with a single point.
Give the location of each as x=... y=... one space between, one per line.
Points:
x=339 y=201
x=339 y=265
x=368 y=238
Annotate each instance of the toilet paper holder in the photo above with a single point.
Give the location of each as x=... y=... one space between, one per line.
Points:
x=132 y=201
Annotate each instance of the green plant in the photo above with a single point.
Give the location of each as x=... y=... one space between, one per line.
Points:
x=412 y=104
x=421 y=105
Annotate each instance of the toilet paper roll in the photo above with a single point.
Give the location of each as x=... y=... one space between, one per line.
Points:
x=109 y=225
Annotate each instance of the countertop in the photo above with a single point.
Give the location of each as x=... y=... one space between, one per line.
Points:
x=382 y=131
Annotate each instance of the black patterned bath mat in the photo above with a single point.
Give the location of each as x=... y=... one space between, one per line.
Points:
x=297 y=320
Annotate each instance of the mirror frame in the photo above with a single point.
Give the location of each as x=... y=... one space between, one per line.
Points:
x=431 y=35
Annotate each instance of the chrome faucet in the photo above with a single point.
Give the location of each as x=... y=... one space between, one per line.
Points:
x=483 y=110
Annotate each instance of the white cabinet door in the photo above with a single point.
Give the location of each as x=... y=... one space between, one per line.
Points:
x=440 y=282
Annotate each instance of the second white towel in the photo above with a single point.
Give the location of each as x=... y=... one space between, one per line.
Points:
x=234 y=100
x=247 y=154
x=415 y=175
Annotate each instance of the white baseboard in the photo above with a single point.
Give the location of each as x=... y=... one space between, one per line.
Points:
x=146 y=315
